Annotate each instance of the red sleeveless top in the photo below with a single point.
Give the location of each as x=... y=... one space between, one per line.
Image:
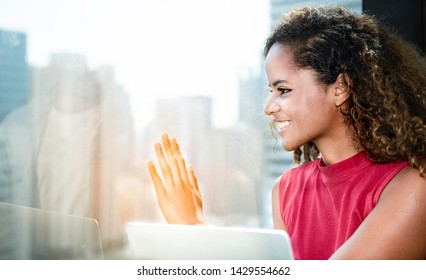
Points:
x=322 y=206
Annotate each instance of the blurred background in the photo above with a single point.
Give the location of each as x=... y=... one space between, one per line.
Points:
x=86 y=87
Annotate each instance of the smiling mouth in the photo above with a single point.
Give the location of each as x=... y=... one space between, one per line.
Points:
x=281 y=125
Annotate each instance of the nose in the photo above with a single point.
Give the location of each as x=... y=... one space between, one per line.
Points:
x=271 y=106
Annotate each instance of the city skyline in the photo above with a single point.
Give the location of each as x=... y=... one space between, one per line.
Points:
x=198 y=104
x=248 y=83
x=198 y=48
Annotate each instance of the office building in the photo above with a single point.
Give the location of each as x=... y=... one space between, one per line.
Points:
x=14 y=71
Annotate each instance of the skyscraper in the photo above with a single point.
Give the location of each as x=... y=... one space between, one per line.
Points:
x=14 y=71
x=279 y=7
x=14 y=92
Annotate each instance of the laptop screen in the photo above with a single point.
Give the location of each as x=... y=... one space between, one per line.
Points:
x=187 y=242
x=29 y=233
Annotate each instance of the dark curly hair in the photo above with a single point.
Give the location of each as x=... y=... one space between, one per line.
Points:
x=384 y=74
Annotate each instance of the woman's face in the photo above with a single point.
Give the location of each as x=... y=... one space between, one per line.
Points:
x=303 y=110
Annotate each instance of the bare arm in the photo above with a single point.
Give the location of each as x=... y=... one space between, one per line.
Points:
x=178 y=195
x=396 y=228
x=276 y=214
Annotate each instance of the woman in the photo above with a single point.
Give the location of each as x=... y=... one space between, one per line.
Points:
x=349 y=98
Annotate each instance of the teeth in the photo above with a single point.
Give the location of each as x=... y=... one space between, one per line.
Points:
x=281 y=125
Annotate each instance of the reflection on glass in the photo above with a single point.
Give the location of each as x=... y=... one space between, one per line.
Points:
x=38 y=234
x=65 y=149
x=73 y=141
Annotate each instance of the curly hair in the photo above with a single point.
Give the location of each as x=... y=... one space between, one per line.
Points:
x=384 y=75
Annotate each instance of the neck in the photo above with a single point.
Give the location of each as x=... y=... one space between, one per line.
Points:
x=333 y=151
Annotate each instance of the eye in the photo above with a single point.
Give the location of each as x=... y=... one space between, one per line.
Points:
x=284 y=90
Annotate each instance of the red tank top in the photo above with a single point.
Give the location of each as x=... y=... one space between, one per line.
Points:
x=322 y=206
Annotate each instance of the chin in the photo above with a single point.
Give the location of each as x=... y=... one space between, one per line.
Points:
x=288 y=148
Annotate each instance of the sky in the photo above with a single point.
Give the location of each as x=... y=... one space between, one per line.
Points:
x=159 y=48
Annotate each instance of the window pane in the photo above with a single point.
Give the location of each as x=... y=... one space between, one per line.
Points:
x=86 y=87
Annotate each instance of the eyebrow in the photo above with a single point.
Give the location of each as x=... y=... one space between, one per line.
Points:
x=277 y=82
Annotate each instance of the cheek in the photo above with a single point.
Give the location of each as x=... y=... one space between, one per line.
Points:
x=316 y=102
x=311 y=115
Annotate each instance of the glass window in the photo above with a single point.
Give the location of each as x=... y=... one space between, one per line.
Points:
x=87 y=86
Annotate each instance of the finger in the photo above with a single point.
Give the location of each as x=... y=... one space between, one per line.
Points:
x=180 y=161
x=194 y=183
x=156 y=180
x=164 y=165
x=167 y=147
x=193 y=178
x=171 y=157
x=176 y=173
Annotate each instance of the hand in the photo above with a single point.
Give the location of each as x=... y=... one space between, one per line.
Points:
x=178 y=196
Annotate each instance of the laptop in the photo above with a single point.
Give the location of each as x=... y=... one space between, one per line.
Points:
x=148 y=241
x=30 y=233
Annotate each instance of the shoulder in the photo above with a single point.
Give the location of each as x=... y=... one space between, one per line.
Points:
x=302 y=168
x=407 y=185
x=276 y=186
x=297 y=176
x=396 y=227
x=404 y=199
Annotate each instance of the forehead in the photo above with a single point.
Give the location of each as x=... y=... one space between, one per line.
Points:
x=280 y=55
x=279 y=64
x=280 y=67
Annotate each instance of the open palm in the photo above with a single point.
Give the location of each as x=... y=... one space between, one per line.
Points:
x=178 y=194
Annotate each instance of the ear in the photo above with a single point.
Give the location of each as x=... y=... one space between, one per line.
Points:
x=341 y=89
